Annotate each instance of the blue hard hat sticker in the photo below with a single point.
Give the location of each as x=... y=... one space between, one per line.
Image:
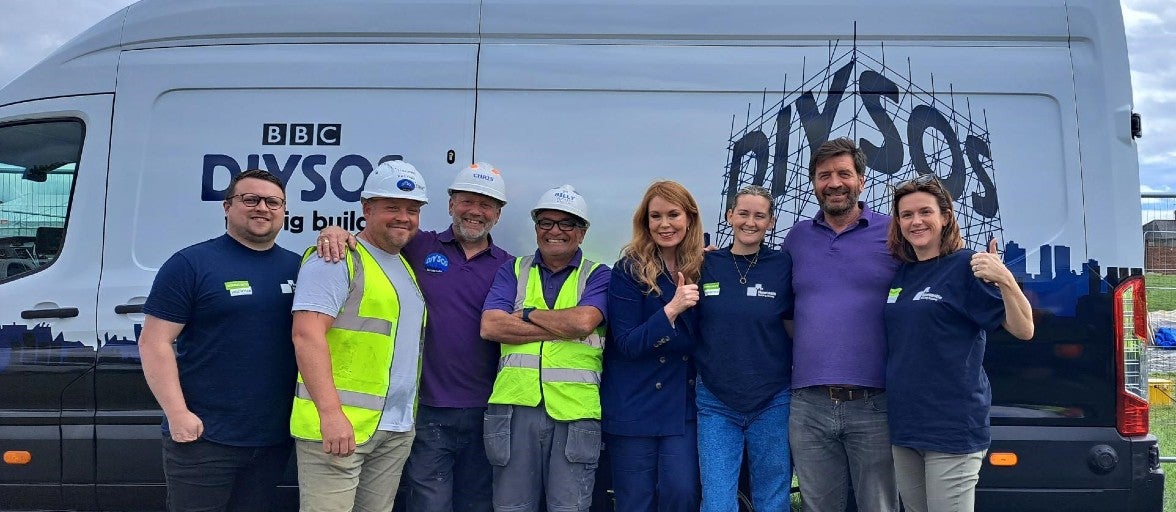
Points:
x=406 y=185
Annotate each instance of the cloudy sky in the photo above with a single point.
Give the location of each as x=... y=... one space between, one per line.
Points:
x=36 y=27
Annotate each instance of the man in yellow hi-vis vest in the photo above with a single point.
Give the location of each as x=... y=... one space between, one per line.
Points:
x=547 y=311
x=357 y=338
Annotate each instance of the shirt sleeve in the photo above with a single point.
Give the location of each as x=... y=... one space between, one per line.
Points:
x=631 y=333
x=984 y=304
x=596 y=290
x=503 y=289
x=787 y=298
x=173 y=293
x=322 y=287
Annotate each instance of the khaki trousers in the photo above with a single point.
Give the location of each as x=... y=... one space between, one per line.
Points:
x=365 y=481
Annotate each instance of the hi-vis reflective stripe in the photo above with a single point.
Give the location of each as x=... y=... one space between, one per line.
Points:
x=349 y=318
x=519 y=361
x=570 y=375
x=352 y=398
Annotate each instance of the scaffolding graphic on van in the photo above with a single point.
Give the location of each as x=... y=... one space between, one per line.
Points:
x=905 y=129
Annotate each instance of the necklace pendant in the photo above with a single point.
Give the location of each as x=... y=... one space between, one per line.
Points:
x=742 y=280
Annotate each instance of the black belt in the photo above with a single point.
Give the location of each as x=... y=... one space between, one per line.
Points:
x=846 y=393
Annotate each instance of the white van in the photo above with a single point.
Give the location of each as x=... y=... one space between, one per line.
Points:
x=1023 y=108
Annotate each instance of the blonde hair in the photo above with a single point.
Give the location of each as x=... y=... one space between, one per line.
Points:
x=641 y=250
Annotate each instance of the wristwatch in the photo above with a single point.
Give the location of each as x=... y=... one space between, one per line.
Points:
x=527 y=314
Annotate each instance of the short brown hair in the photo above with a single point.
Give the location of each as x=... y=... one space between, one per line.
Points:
x=256 y=174
x=835 y=148
x=949 y=239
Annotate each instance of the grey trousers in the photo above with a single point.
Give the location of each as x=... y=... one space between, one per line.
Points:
x=527 y=448
x=935 y=481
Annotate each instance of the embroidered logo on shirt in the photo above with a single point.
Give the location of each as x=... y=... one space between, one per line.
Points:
x=710 y=289
x=893 y=296
x=236 y=288
x=927 y=295
x=759 y=291
x=288 y=286
x=436 y=262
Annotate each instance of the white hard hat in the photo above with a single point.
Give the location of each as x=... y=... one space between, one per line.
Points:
x=480 y=178
x=564 y=199
x=395 y=179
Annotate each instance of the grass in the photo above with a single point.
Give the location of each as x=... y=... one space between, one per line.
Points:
x=1161 y=296
x=1161 y=292
x=1163 y=426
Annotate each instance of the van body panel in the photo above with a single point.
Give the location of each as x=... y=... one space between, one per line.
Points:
x=1022 y=109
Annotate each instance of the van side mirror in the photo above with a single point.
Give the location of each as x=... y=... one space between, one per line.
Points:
x=1136 y=125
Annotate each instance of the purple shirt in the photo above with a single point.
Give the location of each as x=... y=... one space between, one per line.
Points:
x=505 y=287
x=841 y=281
x=458 y=366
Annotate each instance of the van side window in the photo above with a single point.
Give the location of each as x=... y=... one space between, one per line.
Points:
x=38 y=165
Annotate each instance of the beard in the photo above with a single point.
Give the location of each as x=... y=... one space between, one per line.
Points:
x=471 y=235
x=851 y=201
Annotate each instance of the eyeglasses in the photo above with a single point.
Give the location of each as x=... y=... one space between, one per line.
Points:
x=251 y=200
x=564 y=225
x=921 y=180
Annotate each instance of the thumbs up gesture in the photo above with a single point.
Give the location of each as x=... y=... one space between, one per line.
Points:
x=685 y=297
x=987 y=266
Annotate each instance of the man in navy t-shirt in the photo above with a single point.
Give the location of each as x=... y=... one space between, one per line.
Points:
x=227 y=388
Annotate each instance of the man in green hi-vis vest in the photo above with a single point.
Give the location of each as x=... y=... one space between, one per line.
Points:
x=357 y=337
x=547 y=311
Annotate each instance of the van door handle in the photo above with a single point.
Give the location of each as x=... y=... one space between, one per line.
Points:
x=31 y=314
x=126 y=309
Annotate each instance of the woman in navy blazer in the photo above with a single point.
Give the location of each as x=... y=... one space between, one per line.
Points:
x=647 y=387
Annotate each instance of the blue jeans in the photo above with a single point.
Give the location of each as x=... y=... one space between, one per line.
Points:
x=652 y=474
x=724 y=433
x=447 y=470
x=834 y=441
x=207 y=476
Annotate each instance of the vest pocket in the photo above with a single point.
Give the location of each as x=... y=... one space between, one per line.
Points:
x=496 y=433
x=583 y=445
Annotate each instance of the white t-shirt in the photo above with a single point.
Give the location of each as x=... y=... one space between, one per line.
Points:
x=323 y=287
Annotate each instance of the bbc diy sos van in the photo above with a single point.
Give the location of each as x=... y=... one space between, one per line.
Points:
x=116 y=151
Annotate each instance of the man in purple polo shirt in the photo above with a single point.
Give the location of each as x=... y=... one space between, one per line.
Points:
x=841 y=275
x=447 y=470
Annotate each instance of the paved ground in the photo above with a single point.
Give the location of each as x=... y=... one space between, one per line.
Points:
x=1161 y=360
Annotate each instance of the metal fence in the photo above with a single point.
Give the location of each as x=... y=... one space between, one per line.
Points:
x=1159 y=240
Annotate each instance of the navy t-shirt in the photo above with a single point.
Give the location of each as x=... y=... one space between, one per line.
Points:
x=937 y=314
x=743 y=353
x=235 y=355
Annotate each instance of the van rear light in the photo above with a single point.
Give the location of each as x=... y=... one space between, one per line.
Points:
x=17 y=457
x=1130 y=318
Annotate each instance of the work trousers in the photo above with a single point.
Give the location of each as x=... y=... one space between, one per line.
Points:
x=528 y=449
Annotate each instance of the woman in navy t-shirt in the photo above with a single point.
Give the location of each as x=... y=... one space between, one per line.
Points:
x=744 y=358
x=941 y=303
